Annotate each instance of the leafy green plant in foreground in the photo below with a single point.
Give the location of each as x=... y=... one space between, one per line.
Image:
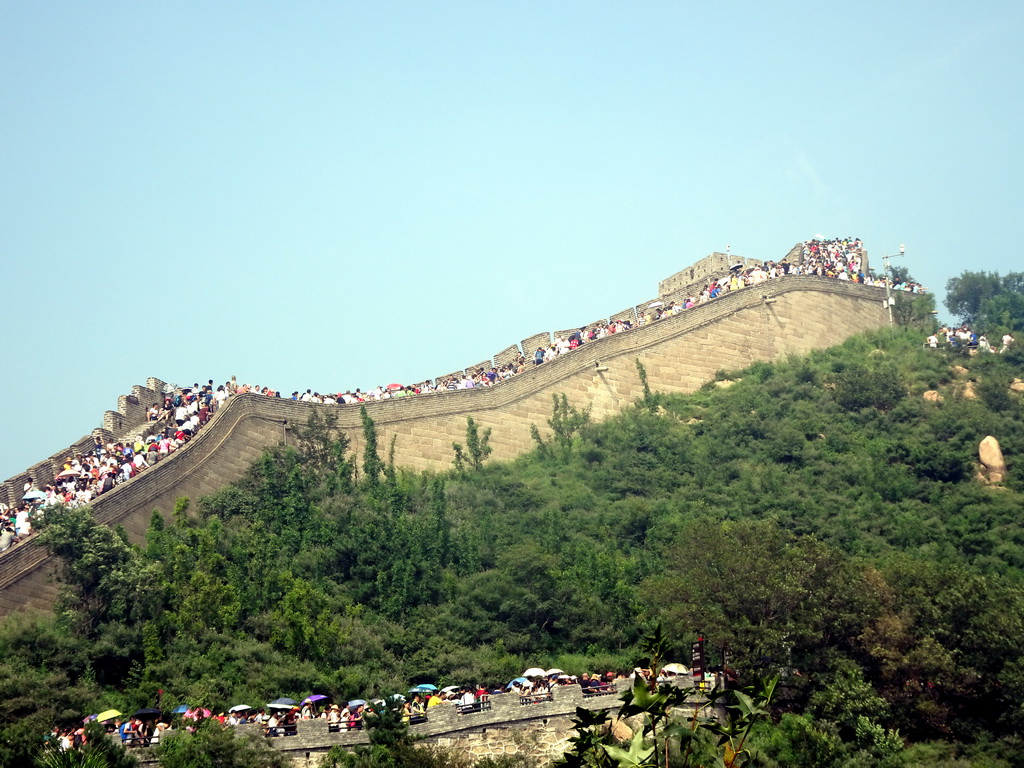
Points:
x=714 y=732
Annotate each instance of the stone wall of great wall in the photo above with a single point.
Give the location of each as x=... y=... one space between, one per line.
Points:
x=790 y=315
x=540 y=732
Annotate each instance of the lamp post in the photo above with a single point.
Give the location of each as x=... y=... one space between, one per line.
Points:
x=888 y=281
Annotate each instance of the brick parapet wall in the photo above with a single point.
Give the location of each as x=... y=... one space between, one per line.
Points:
x=679 y=353
x=507 y=355
x=531 y=343
x=712 y=266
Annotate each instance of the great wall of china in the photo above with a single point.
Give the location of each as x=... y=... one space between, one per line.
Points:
x=539 y=731
x=787 y=315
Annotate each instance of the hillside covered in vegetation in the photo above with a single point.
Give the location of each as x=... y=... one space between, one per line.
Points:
x=819 y=518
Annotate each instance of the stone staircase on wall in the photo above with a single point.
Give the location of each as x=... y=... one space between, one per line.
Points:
x=128 y=420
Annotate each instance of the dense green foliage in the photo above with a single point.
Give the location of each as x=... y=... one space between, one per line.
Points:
x=818 y=518
x=984 y=299
x=212 y=746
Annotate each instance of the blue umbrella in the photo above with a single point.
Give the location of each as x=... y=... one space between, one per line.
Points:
x=357 y=703
x=425 y=687
x=519 y=680
x=181 y=709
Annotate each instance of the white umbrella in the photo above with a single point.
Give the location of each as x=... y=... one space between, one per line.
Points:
x=534 y=672
x=554 y=671
x=675 y=669
x=239 y=708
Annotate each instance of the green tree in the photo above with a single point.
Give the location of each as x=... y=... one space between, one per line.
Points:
x=324 y=448
x=566 y=422
x=972 y=296
x=214 y=746
x=858 y=386
x=915 y=311
x=900 y=274
x=478 y=448
x=775 y=600
x=373 y=467
x=104 y=578
x=1004 y=312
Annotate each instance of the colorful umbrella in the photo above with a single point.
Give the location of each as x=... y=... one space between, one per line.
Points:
x=282 y=703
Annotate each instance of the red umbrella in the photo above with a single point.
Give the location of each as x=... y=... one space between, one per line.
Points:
x=396 y=386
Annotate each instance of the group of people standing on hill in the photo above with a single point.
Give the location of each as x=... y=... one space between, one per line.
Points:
x=963 y=337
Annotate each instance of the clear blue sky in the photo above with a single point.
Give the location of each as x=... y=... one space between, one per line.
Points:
x=333 y=195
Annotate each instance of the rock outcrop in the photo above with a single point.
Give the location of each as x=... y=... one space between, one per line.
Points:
x=992 y=461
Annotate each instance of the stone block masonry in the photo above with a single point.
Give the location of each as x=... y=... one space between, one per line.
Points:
x=680 y=354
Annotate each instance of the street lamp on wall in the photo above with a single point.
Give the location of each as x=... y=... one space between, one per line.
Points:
x=889 y=301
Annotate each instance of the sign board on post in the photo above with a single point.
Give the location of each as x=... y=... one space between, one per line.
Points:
x=698 y=663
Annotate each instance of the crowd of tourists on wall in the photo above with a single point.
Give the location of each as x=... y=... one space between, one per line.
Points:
x=964 y=338
x=82 y=478
x=281 y=716
x=185 y=411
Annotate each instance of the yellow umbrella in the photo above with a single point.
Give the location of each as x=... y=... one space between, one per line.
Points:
x=108 y=715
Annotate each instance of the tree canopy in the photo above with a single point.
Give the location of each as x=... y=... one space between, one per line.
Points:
x=985 y=299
